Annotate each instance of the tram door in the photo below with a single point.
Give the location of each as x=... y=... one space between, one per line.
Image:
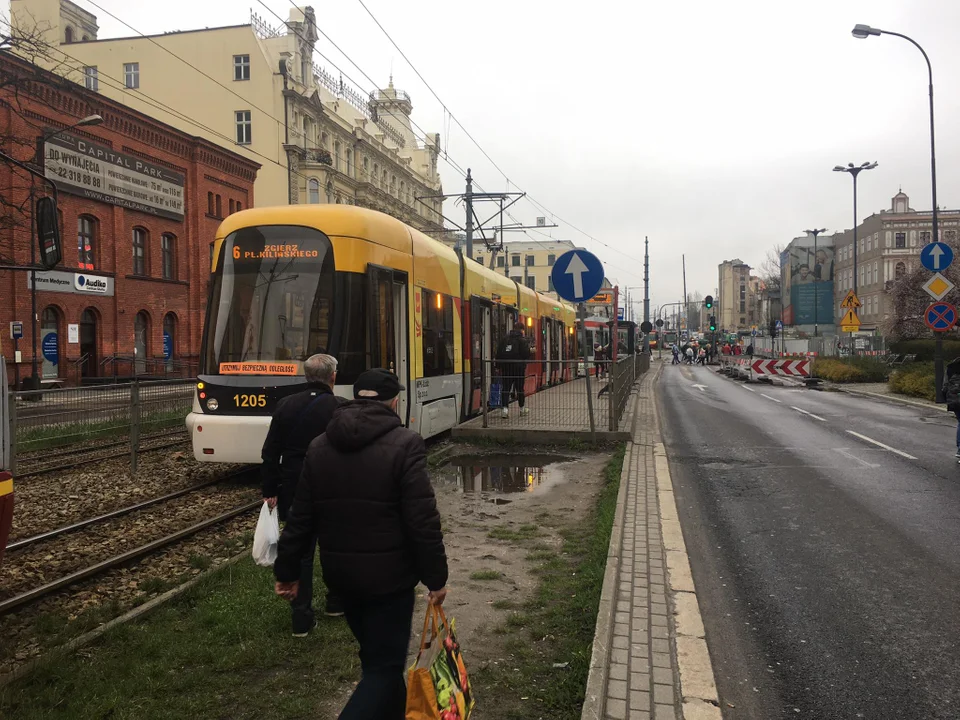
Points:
x=480 y=354
x=547 y=351
x=387 y=339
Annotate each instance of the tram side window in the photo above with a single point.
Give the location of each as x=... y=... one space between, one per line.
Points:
x=437 y=334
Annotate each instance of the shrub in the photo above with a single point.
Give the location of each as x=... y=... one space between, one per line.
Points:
x=846 y=370
x=924 y=348
x=915 y=380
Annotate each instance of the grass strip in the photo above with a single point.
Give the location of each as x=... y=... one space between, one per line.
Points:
x=548 y=639
x=222 y=650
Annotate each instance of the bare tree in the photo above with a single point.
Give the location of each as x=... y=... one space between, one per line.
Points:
x=910 y=301
x=770 y=268
x=694 y=303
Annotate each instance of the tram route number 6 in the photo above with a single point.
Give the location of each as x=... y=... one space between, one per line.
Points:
x=250 y=401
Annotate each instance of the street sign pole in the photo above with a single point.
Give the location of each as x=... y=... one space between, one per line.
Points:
x=582 y=312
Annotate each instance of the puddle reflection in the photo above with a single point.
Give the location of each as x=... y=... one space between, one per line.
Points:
x=505 y=474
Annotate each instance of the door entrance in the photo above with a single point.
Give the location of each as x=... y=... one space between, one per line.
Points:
x=387 y=340
x=88 y=344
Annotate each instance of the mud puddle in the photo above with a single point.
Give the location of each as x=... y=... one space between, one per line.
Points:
x=496 y=478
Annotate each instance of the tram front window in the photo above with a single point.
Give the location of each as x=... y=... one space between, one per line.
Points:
x=272 y=302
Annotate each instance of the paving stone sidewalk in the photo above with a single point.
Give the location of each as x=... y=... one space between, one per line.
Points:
x=634 y=670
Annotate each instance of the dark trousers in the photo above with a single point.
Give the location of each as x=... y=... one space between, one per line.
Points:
x=302 y=605
x=511 y=383
x=382 y=627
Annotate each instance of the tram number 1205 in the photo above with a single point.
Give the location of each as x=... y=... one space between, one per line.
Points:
x=250 y=401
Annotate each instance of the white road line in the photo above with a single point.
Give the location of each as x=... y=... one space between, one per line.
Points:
x=748 y=388
x=847 y=454
x=807 y=412
x=880 y=444
x=770 y=398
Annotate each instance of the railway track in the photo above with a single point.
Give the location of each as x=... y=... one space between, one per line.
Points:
x=29 y=557
x=72 y=457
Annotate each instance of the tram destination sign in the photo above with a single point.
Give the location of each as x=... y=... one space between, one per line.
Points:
x=96 y=172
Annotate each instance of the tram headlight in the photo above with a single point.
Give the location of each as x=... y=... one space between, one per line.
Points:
x=212 y=404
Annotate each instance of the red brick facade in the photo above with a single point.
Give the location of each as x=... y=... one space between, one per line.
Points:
x=216 y=182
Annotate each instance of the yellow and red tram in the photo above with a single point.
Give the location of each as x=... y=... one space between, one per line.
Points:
x=288 y=282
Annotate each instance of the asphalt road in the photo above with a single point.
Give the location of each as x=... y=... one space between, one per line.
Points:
x=827 y=565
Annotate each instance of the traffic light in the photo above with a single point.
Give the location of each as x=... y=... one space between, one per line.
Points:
x=708 y=301
x=773 y=328
x=713 y=323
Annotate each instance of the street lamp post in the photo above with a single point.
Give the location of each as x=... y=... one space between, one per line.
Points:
x=39 y=161
x=854 y=170
x=816 y=281
x=862 y=32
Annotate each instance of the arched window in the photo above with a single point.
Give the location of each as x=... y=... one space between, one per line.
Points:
x=324 y=140
x=209 y=203
x=88 y=343
x=349 y=162
x=330 y=191
x=168 y=253
x=231 y=206
x=900 y=270
x=393 y=184
x=383 y=180
x=376 y=174
x=141 y=265
x=141 y=337
x=68 y=35
x=366 y=168
x=169 y=339
x=336 y=155
x=313 y=191
x=86 y=242
x=50 y=325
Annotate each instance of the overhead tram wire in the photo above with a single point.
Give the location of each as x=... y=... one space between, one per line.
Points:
x=539 y=205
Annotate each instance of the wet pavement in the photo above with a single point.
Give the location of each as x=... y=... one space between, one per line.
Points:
x=496 y=475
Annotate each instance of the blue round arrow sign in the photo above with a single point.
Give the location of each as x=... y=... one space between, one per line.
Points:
x=936 y=256
x=577 y=275
x=940 y=316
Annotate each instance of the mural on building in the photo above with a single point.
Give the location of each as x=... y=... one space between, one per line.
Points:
x=807 y=281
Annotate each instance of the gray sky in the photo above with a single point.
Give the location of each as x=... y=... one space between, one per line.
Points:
x=710 y=127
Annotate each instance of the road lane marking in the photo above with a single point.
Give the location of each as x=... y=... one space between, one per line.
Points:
x=880 y=444
x=847 y=454
x=807 y=412
x=770 y=398
x=748 y=388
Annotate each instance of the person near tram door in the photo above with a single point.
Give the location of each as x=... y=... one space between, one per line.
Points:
x=512 y=357
x=297 y=420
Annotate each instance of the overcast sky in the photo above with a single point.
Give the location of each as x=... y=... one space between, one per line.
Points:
x=710 y=127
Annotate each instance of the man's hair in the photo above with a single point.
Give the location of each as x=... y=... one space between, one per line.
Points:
x=518 y=325
x=320 y=368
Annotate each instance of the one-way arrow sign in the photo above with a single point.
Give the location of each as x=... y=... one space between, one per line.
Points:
x=936 y=256
x=577 y=275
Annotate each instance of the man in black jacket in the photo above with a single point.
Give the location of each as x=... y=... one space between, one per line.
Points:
x=297 y=420
x=512 y=356
x=365 y=493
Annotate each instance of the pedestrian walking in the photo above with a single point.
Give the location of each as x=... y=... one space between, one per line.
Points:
x=951 y=393
x=366 y=495
x=702 y=357
x=297 y=420
x=676 y=354
x=688 y=353
x=512 y=357
x=750 y=349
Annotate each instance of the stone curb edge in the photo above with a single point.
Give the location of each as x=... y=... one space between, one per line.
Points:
x=889 y=398
x=87 y=638
x=595 y=692
x=698 y=690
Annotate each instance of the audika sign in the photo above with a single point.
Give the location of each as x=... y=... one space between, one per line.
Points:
x=76 y=283
x=94 y=171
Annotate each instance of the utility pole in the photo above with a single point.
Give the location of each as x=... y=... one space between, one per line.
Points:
x=468 y=203
x=646 y=279
x=686 y=311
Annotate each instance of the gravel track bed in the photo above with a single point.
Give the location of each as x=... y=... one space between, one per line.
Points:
x=30 y=631
x=38 y=461
x=47 y=502
x=49 y=560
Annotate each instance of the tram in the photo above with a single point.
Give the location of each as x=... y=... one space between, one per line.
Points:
x=288 y=282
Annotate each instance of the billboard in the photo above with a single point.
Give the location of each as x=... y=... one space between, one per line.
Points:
x=807 y=280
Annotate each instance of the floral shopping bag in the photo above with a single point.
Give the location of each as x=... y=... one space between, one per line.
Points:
x=437 y=685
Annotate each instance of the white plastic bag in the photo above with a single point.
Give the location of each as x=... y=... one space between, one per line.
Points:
x=266 y=537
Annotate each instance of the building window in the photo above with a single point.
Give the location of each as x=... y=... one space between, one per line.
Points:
x=330 y=191
x=550 y=283
x=91 y=80
x=131 y=75
x=743 y=306
x=244 y=127
x=68 y=35
x=219 y=207
x=313 y=192
x=743 y=321
x=349 y=162
x=531 y=282
x=403 y=192
x=551 y=260
x=393 y=185
x=86 y=241
x=437 y=334
x=139 y=251
x=900 y=270
x=500 y=261
x=876 y=272
x=530 y=260
x=366 y=168
x=241 y=67
x=232 y=207
x=209 y=203
x=239 y=206
x=869 y=243
x=901 y=240
x=168 y=254
x=515 y=260
x=336 y=155
x=480 y=259
x=924 y=237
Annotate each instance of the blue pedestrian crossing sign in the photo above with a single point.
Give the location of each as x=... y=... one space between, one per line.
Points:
x=936 y=256
x=940 y=316
x=577 y=275
x=779 y=325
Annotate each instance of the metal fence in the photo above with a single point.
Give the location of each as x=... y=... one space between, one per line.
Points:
x=63 y=422
x=558 y=395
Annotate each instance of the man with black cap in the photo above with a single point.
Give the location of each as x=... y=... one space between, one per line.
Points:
x=365 y=493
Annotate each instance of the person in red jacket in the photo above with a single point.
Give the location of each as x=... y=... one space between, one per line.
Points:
x=365 y=494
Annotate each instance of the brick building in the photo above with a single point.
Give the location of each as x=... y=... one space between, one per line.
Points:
x=139 y=204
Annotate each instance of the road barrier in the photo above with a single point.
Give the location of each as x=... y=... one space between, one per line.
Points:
x=749 y=368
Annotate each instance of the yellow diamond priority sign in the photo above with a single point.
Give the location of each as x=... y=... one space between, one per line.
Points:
x=938 y=286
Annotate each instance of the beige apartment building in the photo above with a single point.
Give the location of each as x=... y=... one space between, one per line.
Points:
x=888 y=246
x=529 y=263
x=255 y=89
x=738 y=302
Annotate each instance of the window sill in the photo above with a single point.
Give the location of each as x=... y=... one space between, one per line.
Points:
x=147 y=278
x=213 y=217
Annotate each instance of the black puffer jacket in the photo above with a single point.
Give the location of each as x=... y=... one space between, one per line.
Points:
x=366 y=493
x=297 y=420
